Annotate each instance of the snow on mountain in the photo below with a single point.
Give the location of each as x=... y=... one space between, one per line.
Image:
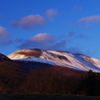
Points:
x=71 y=60
x=37 y=59
x=64 y=59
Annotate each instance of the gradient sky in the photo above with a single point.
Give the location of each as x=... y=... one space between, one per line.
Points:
x=66 y=25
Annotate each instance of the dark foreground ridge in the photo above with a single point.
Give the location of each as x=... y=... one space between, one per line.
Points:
x=45 y=97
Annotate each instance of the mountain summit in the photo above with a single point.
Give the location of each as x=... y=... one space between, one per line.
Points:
x=60 y=58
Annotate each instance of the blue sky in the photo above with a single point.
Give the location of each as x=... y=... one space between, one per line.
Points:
x=66 y=25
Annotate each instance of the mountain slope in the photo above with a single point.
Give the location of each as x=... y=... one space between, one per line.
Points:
x=64 y=59
x=25 y=53
x=11 y=75
x=3 y=58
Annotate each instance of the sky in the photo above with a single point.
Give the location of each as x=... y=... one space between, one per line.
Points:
x=65 y=25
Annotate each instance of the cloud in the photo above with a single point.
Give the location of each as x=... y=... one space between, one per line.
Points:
x=71 y=34
x=42 y=37
x=48 y=41
x=6 y=43
x=30 y=21
x=34 y=21
x=10 y=42
x=77 y=7
x=94 y=18
x=82 y=36
x=5 y=38
x=51 y=12
x=42 y=40
x=18 y=40
x=75 y=50
x=3 y=33
x=60 y=45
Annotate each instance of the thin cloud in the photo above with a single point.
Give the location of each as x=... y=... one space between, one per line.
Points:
x=60 y=45
x=3 y=33
x=51 y=12
x=30 y=21
x=10 y=42
x=77 y=7
x=75 y=50
x=82 y=36
x=6 y=43
x=71 y=34
x=18 y=40
x=94 y=18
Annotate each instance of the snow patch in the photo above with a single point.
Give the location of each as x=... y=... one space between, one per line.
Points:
x=36 y=59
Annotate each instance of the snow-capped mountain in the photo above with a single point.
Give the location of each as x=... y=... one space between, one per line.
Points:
x=64 y=59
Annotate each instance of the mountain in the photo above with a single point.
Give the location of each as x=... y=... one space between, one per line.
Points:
x=11 y=74
x=57 y=58
x=29 y=71
x=3 y=58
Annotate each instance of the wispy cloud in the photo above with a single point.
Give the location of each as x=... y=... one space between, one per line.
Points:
x=77 y=7
x=82 y=36
x=10 y=42
x=6 y=43
x=30 y=21
x=60 y=45
x=3 y=33
x=71 y=33
x=75 y=49
x=94 y=18
x=18 y=40
x=51 y=12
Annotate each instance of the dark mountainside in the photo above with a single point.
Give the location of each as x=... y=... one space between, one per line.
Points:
x=3 y=57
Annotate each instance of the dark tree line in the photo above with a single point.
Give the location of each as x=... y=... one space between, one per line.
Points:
x=51 y=80
x=89 y=84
